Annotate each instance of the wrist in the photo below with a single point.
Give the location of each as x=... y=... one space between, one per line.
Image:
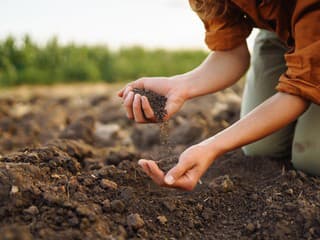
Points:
x=183 y=85
x=214 y=146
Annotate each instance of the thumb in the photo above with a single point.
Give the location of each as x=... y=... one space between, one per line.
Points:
x=177 y=171
x=173 y=105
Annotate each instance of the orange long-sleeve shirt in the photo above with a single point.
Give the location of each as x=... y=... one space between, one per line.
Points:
x=296 y=22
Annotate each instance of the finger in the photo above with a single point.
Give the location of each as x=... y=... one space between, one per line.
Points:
x=136 y=84
x=153 y=171
x=128 y=102
x=172 y=107
x=148 y=112
x=145 y=166
x=178 y=171
x=126 y=91
x=121 y=91
x=137 y=110
x=188 y=181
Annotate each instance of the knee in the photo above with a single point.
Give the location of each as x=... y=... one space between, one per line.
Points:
x=263 y=148
x=305 y=158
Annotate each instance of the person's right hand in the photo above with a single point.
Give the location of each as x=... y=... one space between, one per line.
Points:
x=138 y=107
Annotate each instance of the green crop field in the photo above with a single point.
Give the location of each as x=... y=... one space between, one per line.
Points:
x=26 y=62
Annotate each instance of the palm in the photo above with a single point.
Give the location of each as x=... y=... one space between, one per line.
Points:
x=164 y=87
x=161 y=85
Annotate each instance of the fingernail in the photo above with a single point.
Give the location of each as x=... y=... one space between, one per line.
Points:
x=169 y=180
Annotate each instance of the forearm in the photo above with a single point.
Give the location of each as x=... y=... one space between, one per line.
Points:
x=220 y=70
x=272 y=115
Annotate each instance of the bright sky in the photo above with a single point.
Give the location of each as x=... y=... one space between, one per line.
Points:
x=116 y=23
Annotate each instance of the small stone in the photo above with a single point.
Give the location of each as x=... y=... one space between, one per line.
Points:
x=162 y=219
x=227 y=185
x=292 y=173
x=222 y=183
x=106 y=205
x=254 y=196
x=289 y=191
x=122 y=232
x=14 y=190
x=117 y=206
x=135 y=221
x=143 y=234
x=250 y=227
x=107 y=184
x=269 y=200
x=32 y=210
x=170 y=205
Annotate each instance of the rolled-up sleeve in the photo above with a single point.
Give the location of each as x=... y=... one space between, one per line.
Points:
x=224 y=35
x=302 y=77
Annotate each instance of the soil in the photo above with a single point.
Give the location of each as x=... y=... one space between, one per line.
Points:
x=68 y=170
x=157 y=102
x=158 y=105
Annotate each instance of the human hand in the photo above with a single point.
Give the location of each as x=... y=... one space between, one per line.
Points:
x=138 y=107
x=192 y=164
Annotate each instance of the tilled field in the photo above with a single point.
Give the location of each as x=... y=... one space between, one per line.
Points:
x=68 y=170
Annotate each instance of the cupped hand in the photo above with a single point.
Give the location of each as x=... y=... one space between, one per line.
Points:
x=138 y=107
x=192 y=164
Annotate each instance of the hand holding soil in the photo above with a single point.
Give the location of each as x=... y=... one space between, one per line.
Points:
x=192 y=164
x=139 y=108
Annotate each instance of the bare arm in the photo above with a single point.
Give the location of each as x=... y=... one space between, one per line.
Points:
x=275 y=113
x=220 y=70
x=278 y=111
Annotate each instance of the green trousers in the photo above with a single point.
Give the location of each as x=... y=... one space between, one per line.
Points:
x=300 y=140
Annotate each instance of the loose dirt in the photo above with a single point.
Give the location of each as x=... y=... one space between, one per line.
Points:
x=158 y=105
x=68 y=170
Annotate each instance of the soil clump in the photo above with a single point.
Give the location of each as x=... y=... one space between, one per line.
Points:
x=58 y=182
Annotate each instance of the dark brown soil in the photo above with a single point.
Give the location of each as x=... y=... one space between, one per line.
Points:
x=157 y=102
x=68 y=170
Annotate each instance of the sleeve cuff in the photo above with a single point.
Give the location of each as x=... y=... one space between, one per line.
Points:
x=227 y=39
x=300 y=88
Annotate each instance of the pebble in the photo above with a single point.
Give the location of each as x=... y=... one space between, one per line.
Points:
x=106 y=205
x=227 y=185
x=108 y=184
x=289 y=191
x=222 y=183
x=32 y=210
x=143 y=234
x=135 y=221
x=162 y=219
x=254 y=196
x=14 y=190
x=250 y=227
x=117 y=206
x=292 y=173
x=171 y=206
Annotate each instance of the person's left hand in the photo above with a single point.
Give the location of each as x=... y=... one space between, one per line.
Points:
x=192 y=164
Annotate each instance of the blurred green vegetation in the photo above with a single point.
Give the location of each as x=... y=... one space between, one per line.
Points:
x=26 y=62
